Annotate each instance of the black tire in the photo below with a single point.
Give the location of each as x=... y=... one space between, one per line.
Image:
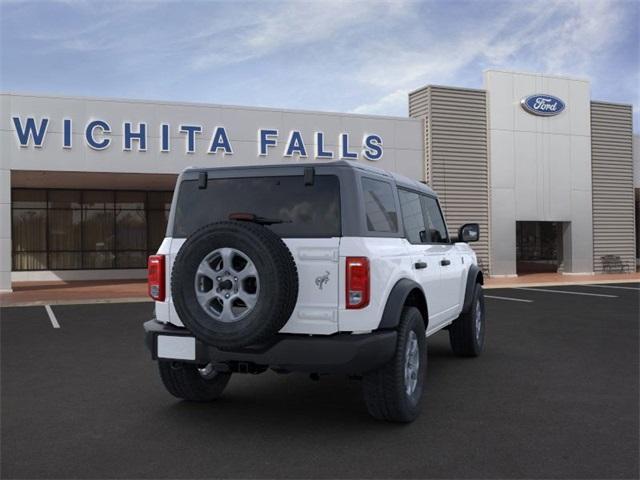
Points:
x=278 y=291
x=183 y=380
x=467 y=340
x=385 y=392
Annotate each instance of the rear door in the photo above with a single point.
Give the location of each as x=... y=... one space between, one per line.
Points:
x=425 y=258
x=450 y=261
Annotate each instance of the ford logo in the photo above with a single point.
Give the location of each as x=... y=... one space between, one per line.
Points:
x=544 y=105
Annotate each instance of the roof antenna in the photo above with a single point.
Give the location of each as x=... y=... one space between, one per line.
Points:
x=309 y=175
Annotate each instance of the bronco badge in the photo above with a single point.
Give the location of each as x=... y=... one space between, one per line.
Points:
x=322 y=280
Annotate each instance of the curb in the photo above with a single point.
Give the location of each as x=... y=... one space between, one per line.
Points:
x=42 y=303
x=561 y=284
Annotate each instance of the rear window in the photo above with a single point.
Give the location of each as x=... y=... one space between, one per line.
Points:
x=305 y=210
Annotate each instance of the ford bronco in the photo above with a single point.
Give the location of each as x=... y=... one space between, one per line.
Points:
x=320 y=268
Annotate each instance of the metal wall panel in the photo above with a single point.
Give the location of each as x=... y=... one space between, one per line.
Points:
x=612 y=180
x=457 y=155
x=540 y=167
x=401 y=136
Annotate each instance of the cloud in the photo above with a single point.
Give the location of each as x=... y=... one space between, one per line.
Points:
x=288 y=25
x=103 y=30
x=554 y=37
x=361 y=56
x=394 y=103
x=574 y=43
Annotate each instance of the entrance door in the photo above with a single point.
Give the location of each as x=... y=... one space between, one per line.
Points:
x=538 y=247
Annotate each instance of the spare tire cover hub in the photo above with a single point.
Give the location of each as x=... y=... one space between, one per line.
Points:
x=227 y=284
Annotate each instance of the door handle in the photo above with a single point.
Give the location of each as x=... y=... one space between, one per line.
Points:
x=445 y=262
x=420 y=265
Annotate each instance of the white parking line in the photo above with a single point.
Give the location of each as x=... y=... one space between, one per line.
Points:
x=52 y=317
x=509 y=298
x=566 y=291
x=612 y=286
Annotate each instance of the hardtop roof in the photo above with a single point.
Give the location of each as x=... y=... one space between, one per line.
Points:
x=400 y=180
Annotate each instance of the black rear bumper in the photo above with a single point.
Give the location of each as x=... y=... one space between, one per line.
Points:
x=339 y=353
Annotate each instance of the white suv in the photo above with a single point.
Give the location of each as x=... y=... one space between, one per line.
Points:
x=323 y=268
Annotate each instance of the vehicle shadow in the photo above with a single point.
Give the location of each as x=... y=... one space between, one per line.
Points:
x=275 y=400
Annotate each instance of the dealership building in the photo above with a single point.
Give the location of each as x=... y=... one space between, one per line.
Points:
x=547 y=172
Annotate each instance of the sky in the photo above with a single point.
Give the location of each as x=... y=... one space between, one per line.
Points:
x=344 y=56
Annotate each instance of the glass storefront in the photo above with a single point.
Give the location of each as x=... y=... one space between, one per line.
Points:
x=86 y=229
x=538 y=247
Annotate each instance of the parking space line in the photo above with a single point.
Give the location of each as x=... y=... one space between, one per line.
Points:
x=567 y=292
x=509 y=298
x=611 y=286
x=52 y=317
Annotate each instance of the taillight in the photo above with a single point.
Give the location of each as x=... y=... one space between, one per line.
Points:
x=155 y=277
x=357 y=282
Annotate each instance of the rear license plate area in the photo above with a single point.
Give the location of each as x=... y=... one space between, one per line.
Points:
x=176 y=348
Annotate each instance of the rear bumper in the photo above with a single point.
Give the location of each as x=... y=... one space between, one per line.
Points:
x=340 y=353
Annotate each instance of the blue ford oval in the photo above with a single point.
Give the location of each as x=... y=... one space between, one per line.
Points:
x=541 y=104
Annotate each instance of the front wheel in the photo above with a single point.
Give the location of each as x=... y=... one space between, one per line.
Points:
x=466 y=333
x=193 y=383
x=394 y=392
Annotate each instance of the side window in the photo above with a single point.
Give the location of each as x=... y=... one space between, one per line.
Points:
x=435 y=221
x=380 y=206
x=412 y=217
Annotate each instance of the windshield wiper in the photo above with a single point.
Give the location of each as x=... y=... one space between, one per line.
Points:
x=252 y=217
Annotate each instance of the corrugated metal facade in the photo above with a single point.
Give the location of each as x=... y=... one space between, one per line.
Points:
x=457 y=155
x=612 y=183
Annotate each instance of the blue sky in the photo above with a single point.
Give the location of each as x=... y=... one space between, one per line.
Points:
x=346 y=56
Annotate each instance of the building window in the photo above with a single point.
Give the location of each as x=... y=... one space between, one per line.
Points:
x=86 y=229
x=64 y=229
x=29 y=230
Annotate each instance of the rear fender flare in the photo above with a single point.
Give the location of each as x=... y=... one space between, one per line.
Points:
x=405 y=292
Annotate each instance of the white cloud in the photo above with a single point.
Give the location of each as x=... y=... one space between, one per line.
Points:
x=394 y=103
x=572 y=45
x=107 y=29
x=290 y=25
x=554 y=37
x=363 y=56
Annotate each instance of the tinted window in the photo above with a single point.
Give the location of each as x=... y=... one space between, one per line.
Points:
x=159 y=200
x=29 y=198
x=305 y=210
x=73 y=229
x=380 y=206
x=64 y=199
x=98 y=199
x=435 y=222
x=412 y=217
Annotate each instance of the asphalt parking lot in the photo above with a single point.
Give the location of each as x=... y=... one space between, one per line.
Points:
x=555 y=395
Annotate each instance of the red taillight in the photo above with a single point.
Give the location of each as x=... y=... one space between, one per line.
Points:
x=357 y=282
x=155 y=277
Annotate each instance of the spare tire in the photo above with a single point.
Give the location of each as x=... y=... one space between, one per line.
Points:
x=234 y=284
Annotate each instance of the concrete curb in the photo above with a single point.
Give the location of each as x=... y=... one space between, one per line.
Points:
x=561 y=284
x=42 y=303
